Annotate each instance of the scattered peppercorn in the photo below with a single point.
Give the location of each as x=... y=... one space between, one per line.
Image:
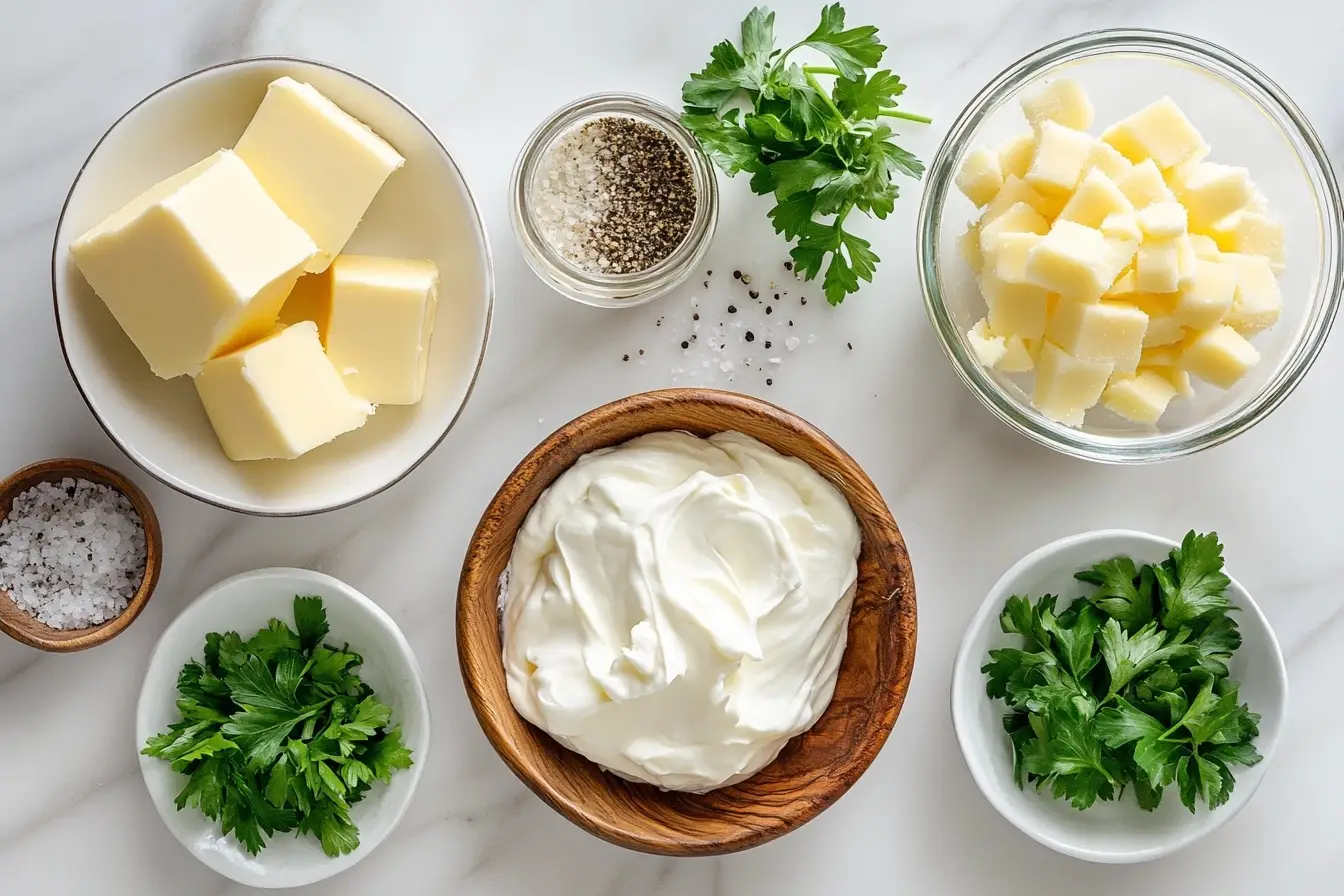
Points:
x=767 y=343
x=737 y=275
x=625 y=357
x=685 y=344
x=769 y=309
x=788 y=265
x=709 y=273
x=804 y=300
x=641 y=352
x=776 y=297
x=769 y=382
x=732 y=309
x=851 y=345
x=790 y=323
x=751 y=337
x=754 y=294
x=695 y=316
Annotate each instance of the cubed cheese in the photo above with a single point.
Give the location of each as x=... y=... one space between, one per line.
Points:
x=1062 y=101
x=1105 y=158
x=980 y=177
x=321 y=165
x=1143 y=185
x=1010 y=251
x=969 y=243
x=1015 y=191
x=1186 y=261
x=1163 y=220
x=1257 y=303
x=196 y=265
x=1163 y=330
x=987 y=348
x=1211 y=192
x=1220 y=356
x=1204 y=247
x=1074 y=261
x=1179 y=379
x=1123 y=287
x=1096 y=199
x=1066 y=386
x=278 y=398
x=1017 y=356
x=1159 y=131
x=1021 y=218
x=1142 y=398
x=1153 y=304
x=382 y=318
x=1015 y=309
x=1122 y=226
x=1208 y=297
x=1158 y=267
x=1016 y=153
x=1060 y=155
x=1104 y=331
x=1251 y=233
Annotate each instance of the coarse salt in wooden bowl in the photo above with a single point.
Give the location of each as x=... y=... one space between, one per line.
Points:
x=815 y=768
x=23 y=627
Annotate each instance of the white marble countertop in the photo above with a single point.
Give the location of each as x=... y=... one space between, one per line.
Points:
x=970 y=495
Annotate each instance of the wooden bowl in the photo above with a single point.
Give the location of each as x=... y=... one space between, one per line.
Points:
x=814 y=769
x=18 y=624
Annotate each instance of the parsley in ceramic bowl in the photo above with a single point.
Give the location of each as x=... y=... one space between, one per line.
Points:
x=282 y=726
x=1118 y=696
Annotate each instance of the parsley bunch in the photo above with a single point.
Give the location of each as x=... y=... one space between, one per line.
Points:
x=1128 y=685
x=278 y=734
x=822 y=154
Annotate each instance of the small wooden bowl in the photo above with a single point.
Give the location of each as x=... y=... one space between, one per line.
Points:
x=18 y=624
x=814 y=769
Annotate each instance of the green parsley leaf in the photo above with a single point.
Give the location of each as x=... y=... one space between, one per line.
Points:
x=1215 y=645
x=1068 y=757
x=1127 y=656
x=1121 y=593
x=387 y=755
x=310 y=618
x=1123 y=723
x=864 y=96
x=1192 y=582
x=851 y=50
x=1076 y=641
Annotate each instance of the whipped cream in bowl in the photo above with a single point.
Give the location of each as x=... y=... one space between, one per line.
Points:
x=675 y=608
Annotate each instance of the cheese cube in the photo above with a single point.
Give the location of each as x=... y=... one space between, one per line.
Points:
x=1220 y=356
x=1158 y=266
x=382 y=318
x=1159 y=131
x=1212 y=192
x=1062 y=101
x=1177 y=175
x=196 y=265
x=969 y=243
x=1123 y=287
x=1074 y=261
x=1186 y=261
x=278 y=398
x=988 y=348
x=1105 y=331
x=1105 y=158
x=980 y=177
x=1179 y=379
x=1021 y=218
x=1017 y=356
x=1257 y=303
x=1015 y=155
x=1096 y=199
x=1251 y=233
x=1015 y=191
x=1204 y=302
x=1163 y=330
x=1122 y=226
x=1163 y=220
x=1204 y=247
x=1259 y=202
x=1143 y=185
x=319 y=164
x=1010 y=252
x=1060 y=155
x=1161 y=355
x=1142 y=398
x=1154 y=304
x=1066 y=386
x=1015 y=309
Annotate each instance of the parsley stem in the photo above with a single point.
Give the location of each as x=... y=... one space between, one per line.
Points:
x=908 y=116
x=821 y=70
x=812 y=81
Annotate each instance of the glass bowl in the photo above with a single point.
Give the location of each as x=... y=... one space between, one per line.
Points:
x=1248 y=120
x=612 y=290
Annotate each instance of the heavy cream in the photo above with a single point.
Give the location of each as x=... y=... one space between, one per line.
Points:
x=675 y=608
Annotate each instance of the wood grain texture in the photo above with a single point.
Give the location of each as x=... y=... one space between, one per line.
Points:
x=22 y=627
x=814 y=769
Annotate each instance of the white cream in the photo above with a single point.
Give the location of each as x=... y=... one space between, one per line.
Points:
x=675 y=608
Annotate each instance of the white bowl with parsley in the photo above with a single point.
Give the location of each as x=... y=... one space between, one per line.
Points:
x=1159 y=682
x=328 y=671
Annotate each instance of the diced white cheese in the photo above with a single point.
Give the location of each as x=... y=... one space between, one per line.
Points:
x=1257 y=303
x=1014 y=191
x=1208 y=298
x=1021 y=218
x=1163 y=220
x=1017 y=356
x=1211 y=192
x=1015 y=309
x=988 y=348
x=1066 y=386
x=1096 y=199
x=980 y=177
x=1251 y=233
x=1163 y=330
x=1160 y=355
x=1179 y=379
x=1143 y=185
x=1016 y=153
x=1142 y=398
x=1106 y=159
x=1159 y=131
x=969 y=243
x=1074 y=261
x=1062 y=101
x=1010 y=253
x=1060 y=155
x=1220 y=356
x=1122 y=226
x=1204 y=247
x=1105 y=331
x=1158 y=268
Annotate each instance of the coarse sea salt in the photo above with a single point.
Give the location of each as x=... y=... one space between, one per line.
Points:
x=72 y=554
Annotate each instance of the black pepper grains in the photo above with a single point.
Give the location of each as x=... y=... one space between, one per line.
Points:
x=751 y=337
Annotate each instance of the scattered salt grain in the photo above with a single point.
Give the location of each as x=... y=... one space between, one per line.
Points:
x=792 y=343
x=72 y=554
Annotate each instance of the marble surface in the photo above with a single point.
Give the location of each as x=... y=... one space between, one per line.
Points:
x=971 y=496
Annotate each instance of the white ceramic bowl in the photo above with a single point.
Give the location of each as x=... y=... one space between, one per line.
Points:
x=1116 y=832
x=425 y=211
x=244 y=603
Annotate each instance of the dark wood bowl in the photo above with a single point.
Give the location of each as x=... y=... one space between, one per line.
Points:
x=814 y=769
x=22 y=627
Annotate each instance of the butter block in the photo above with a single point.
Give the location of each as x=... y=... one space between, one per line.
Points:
x=1066 y=386
x=1106 y=331
x=1211 y=192
x=196 y=265
x=310 y=300
x=1159 y=131
x=1220 y=356
x=1163 y=220
x=980 y=177
x=320 y=164
x=1060 y=155
x=1062 y=101
x=1251 y=233
x=382 y=318
x=1257 y=303
x=1074 y=261
x=987 y=348
x=1015 y=309
x=1096 y=199
x=1010 y=251
x=1143 y=185
x=278 y=398
x=1014 y=191
x=1016 y=153
x=1017 y=356
x=1142 y=398
x=1208 y=298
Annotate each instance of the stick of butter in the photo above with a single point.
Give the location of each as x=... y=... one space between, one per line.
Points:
x=278 y=398
x=196 y=265
x=321 y=165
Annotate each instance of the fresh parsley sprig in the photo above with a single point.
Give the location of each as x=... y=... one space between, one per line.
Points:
x=1129 y=685
x=279 y=734
x=822 y=154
